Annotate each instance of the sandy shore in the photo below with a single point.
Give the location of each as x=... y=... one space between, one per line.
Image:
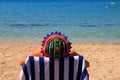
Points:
x=104 y=60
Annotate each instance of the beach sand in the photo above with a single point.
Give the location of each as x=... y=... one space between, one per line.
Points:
x=104 y=59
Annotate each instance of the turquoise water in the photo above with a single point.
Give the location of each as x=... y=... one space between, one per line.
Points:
x=80 y=21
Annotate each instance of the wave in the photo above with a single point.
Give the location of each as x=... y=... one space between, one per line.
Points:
x=32 y=24
x=89 y=25
x=85 y=24
x=98 y=25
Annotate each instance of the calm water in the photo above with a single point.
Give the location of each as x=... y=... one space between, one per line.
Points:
x=81 y=22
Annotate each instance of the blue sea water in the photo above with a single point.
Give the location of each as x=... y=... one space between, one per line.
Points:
x=23 y=22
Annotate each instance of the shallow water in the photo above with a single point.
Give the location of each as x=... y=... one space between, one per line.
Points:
x=80 y=21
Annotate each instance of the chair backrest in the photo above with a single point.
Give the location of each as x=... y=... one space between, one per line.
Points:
x=45 y=68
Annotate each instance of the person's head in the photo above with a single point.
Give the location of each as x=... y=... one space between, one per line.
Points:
x=56 y=45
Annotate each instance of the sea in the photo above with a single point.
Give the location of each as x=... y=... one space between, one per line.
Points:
x=81 y=22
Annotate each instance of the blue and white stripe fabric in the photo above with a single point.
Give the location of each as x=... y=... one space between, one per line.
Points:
x=68 y=68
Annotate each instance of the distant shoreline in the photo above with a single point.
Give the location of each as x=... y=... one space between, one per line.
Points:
x=31 y=40
x=36 y=42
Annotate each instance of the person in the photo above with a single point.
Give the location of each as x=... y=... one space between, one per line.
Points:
x=55 y=46
x=38 y=53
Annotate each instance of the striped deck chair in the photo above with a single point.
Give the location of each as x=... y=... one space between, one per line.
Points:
x=68 y=68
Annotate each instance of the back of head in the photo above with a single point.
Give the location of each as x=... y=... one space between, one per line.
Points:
x=55 y=45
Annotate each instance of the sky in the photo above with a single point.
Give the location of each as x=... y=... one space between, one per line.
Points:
x=57 y=0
